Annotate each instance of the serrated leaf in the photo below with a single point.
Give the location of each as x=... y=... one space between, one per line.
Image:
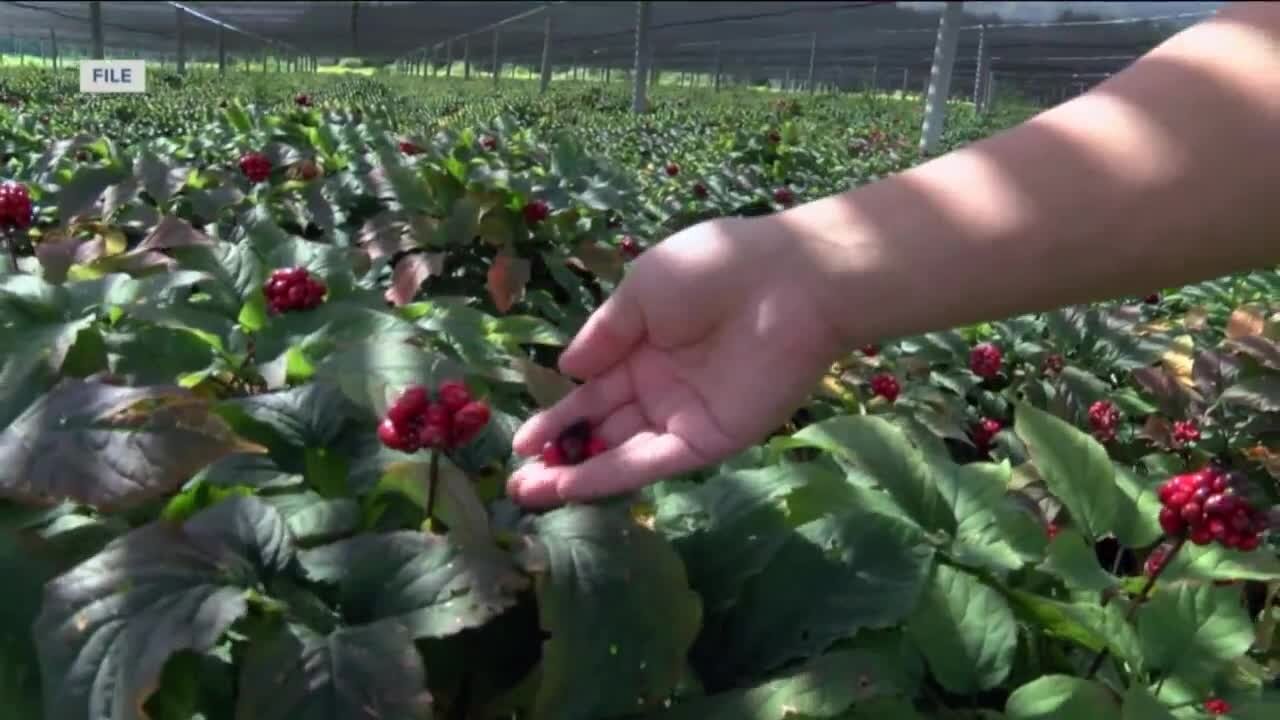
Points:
x=1260 y=394
x=369 y=373
x=1074 y=466
x=1061 y=697
x=1072 y=558
x=433 y=585
x=109 y=624
x=83 y=191
x=160 y=179
x=109 y=447
x=366 y=672
x=1190 y=632
x=965 y=656
x=615 y=598
x=409 y=274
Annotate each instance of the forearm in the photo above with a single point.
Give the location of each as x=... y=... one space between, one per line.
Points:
x=1163 y=175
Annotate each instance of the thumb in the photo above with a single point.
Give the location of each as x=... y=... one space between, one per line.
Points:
x=608 y=336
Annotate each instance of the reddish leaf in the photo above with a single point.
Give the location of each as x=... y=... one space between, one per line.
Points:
x=1245 y=321
x=171 y=232
x=384 y=234
x=605 y=263
x=1158 y=430
x=507 y=277
x=545 y=385
x=410 y=273
x=56 y=254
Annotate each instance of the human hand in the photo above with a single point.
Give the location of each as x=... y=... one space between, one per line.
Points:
x=710 y=342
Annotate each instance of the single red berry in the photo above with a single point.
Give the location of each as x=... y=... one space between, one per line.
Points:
x=389 y=434
x=1103 y=416
x=783 y=196
x=409 y=148
x=1201 y=536
x=1054 y=363
x=409 y=405
x=15 y=205
x=552 y=455
x=596 y=446
x=629 y=247
x=535 y=211
x=870 y=350
x=1052 y=530
x=255 y=166
x=985 y=360
x=489 y=142
x=453 y=395
x=1217 y=706
x=1171 y=521
x=1249 y=542
x=700 y=191
x=303 y=100
x=886 y=386
x=1186 y=432
x=468 y=421
x=1152 y=299
x=433 y=436
x=672 y=169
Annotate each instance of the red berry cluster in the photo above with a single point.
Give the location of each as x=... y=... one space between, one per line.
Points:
x=784 y=196
x=1217 y=706
x=409 y=148
x=1054 y=363
x=1204 y=505
x=886 y=386
x=1104 y=418
x=255 y=166
x=290 y=289
x=870 y=350
x=700 y=191
x=629 y=247
x=985 y=432
x=414 y=422
x=1186 y=432
x=575 y=444
x=15 y=205
x=1152 y=299
x=302 y=100
x=672 y=169
x=489 y=142
x=535 y=211
x=985 y=360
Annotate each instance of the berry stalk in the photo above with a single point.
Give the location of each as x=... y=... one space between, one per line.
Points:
x=433 y=480
x=1138 y=601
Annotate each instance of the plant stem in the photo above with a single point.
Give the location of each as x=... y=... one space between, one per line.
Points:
x=1137 y=601
x=433 y=481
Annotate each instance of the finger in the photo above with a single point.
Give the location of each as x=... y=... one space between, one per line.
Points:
x=606 y=338
x=645 y=458
x=594 y=400
x=620 y=426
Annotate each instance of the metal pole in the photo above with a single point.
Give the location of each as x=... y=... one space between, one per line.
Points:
x=466 y=58
x=355 y=28
x=545 y=80
x=944 y=56
x=639 y=98
x=222 y=51
x=990 y=92
x=448 y=58
x=496 y=68
x=180 y=21
x=875 y=75
x=95 y=22
x=813 y=60
x=980 y=74
x=53 y=47
x=906 y=79
x=719 y=67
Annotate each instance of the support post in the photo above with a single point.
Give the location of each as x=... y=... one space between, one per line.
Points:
x=497 y=58
x=466 y=58
x=222 y=51
x=944 y=56
x=355 y=28
x=544 y=81
x=719 y=68
x=813 y=62
x=448 y=58
x=980 y=74
x=640 y=73
x=95 y=22
x=989 y=92
x=906 y=79
x=53 y=47
x=180 y=30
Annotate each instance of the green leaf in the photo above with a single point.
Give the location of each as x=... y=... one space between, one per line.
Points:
x=1072 y=558
x=1074 y=466
x=237 y=271
x=1137 y=509
x=826 y=687
x=370 y=671
x=614 y=597
x=313 y=519
x=1190 y=632
x=987 y=519
x=255 y=471
x=109 y=447
x=1259 y=394
x=84 y=189
x=159 y=178
x=1140 y=704
x=1087 y=623
x=965 y=630
x=1060 y=697
x=332 y=327
x=372 y=372
x=889 y=458
x=237 y=118
x=860 y=569
x=109 y=624
x=1213 y=562
x=289 y=421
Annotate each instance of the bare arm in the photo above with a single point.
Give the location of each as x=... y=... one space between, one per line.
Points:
x=1165 y=174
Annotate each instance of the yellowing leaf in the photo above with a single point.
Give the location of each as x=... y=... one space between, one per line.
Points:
x=1196 y=318
x=1179 y=359
x=1246 y=320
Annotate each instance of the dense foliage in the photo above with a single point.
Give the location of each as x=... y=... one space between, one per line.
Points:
x=233 y=297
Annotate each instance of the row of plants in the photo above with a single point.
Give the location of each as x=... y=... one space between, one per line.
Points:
x=261 y=361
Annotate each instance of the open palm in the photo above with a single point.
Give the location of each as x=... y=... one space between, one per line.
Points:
x=708 y=344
